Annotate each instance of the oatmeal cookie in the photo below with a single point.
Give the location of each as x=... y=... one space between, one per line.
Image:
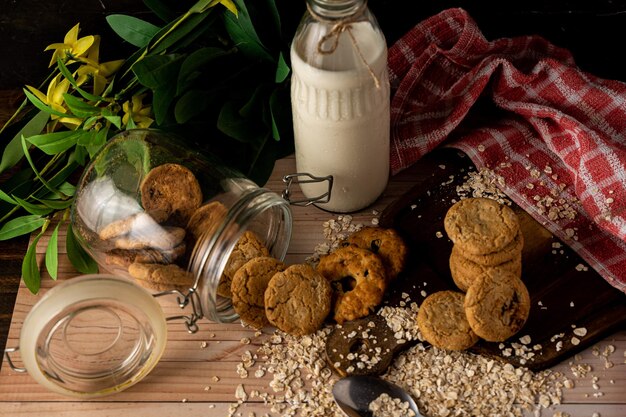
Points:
x=480 y=225
x=206 y=219
x=442 y=322
x=297 y=300
x=509 y=252
x=125 y=257
x=358 y=278
x=173 y=189
x=248 y=289
x=122 y=227
x=155 y=237
x=159 y=277
x=387 y=244
x=497 y=305
x=464 y=271
x=248 y=246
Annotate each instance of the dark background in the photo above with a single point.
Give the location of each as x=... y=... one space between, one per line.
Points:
x=594 y=31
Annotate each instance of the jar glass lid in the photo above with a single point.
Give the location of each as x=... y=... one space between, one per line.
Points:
x=92 y=336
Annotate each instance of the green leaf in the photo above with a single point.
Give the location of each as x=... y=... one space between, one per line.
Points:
x=191 y=104
x=115 y=121
x=20 y=226
x=97 y=141
x=40 y=105
x=271 y=5
x=242 y=32
x=232 y=124
x=33 y=167
x=65 y=190
x=68 y=75
x=280 y=111
x=77 y=255
x=7 y=198
x=190 y=68
x=37 y=209
x=13 y=151
x=54 y=143
x=158 y=70
x=52 y=253
x=178 y=31
x=135 y=31
x=30 y=268
x=56 y=204
x=282 y=69
x=79 y=108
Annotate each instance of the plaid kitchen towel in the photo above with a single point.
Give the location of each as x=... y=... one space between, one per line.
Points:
x=556 y=134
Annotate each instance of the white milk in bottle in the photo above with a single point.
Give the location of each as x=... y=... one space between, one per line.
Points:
x=340 y=103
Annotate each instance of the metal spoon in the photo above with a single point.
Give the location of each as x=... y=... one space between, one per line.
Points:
x=353 y=394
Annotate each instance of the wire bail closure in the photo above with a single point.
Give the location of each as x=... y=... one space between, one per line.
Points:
x=10 y=361
x=290 y=179
x=183 y=300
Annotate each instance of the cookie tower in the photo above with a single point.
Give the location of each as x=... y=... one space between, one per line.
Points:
x=486 y=264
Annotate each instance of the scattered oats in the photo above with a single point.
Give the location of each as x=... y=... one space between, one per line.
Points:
x=203 y=345
x=575 y=341
x=207 y=388
x=571 y=304
x=439 y=234
x=211 y=335
x=240 y=393
x=375 y=221
x=608 y=364
x=442 y=166
x=481 y=148
x=559 y=346
x=184 y=400
x=530 y=186
x=568 y=383
x=609 y=200
x=580 y=331
x=525 y=340
x=581 y=267
x=484 y=183
x=423 y=293
x=387 y=406
x=245 y=340
x=547 y=170
x=413 y=206
x=215 y=378
x=595 y=415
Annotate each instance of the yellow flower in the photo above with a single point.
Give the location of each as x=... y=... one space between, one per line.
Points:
x=72 y=47
x=135 y=111
x=93 y=69
x=54 y=99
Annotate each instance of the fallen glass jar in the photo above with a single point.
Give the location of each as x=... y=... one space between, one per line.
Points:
x=163 y=220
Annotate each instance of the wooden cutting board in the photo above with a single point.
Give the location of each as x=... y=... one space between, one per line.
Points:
x=562 y=297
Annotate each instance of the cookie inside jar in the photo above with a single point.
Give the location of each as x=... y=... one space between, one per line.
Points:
x=153 y=210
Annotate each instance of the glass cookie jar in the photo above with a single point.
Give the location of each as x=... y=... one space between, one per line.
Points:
x=149 y=208
x=151 y=212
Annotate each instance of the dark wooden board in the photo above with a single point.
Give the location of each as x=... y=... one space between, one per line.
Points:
x=568 y=297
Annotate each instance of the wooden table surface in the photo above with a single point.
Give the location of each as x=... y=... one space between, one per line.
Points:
x=177 y=386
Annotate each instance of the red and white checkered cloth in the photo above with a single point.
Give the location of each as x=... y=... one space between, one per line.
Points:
x=555 y=133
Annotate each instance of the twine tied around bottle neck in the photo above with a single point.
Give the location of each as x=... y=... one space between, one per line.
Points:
x=340 y=26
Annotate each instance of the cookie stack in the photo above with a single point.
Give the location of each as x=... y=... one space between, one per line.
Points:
x=487 y=238
x=486 y=264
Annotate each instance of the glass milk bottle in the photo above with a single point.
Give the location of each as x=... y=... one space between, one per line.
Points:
x=340 y=103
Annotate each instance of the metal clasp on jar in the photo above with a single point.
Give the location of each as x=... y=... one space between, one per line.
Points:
x=306 y=178
x=183 y=300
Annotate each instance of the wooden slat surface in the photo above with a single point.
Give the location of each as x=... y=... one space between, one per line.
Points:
x=178 y=383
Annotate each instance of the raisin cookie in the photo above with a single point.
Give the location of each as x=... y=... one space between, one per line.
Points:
x=358 y=278
x=442 y=322
x=497 y=305
x=387 y=244
x=174 y=189
x=297 y=300
x=248 y=289
x=248 y=246
x=480 y=225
